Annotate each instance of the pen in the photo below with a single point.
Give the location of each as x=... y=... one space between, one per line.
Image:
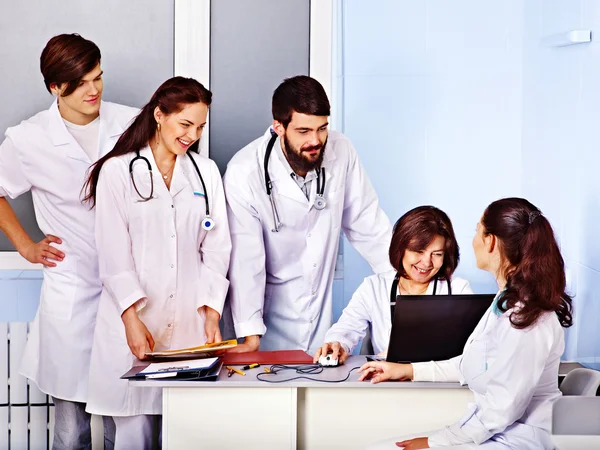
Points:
x=239 y=372
x=250 y=366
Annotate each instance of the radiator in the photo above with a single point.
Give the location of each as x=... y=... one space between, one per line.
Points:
x=26 y=414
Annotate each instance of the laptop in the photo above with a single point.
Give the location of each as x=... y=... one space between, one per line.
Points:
x=434 y=327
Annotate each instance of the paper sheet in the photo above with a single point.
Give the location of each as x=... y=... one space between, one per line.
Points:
x=175 y=366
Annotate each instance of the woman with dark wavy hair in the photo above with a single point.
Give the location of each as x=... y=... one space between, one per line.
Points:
x=163 y=250
x=424 y=254
x=511 y=360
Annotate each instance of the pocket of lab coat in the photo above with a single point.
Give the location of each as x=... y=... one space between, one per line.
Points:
x=335 y=202
x=58 y=296
x=474 y=360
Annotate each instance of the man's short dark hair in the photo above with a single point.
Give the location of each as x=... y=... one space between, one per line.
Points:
x=67 y=58
x=302 y=94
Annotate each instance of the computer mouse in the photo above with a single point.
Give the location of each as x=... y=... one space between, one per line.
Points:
x=328 y=361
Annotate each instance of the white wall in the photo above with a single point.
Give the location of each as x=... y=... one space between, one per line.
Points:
x=432 y=102
x=459 y=103
x=561 y=117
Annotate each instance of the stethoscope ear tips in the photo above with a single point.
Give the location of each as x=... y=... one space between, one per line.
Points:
x=208 y=224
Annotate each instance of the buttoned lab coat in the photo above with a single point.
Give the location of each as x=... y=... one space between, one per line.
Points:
x=514 y=377
x=370 y=307
x=42 y=156
x=156 y=252
x=281 y=282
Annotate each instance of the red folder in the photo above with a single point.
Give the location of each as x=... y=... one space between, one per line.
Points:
x=274 y=357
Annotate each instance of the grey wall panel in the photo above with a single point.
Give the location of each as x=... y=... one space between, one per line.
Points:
x=254 y=46
x=134 y=36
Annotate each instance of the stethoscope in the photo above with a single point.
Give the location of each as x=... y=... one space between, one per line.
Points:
x=320 y=202
x=207 y=223
x=395 y=293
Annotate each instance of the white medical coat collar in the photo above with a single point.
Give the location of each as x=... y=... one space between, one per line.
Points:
x=178 y=182
x=109 y=128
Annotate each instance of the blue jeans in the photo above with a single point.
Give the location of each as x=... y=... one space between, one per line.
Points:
x=72 y=429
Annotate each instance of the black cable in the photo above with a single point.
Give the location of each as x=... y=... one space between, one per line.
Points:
x=310 y=369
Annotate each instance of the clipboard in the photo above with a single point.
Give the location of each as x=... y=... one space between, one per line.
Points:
x=201 y=351
x=180 y=371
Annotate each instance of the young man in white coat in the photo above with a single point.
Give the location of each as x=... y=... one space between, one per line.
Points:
x=289 y=195
x=50 y=154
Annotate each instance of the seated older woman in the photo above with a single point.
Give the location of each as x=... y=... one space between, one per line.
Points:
x=424 y=254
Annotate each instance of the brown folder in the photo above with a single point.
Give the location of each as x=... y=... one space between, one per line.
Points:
x=274 y=357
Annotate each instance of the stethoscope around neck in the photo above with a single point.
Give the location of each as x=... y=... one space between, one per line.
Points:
x=320 y=202
x=207 y=223
x=394 y=293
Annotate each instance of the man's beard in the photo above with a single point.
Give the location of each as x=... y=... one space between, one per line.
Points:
x=300 y=163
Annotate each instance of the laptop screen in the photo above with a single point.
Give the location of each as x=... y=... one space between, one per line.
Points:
x=434 y=327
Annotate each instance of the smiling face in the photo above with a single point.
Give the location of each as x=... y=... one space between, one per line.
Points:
x=178 y=131
x=303 y=141
x=422 y=265
x=83 y=104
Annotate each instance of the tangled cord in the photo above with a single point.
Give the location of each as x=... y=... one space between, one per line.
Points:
x=308 y=369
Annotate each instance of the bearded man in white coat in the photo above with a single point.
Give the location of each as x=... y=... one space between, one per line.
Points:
x=49 y=155
x=290 y=193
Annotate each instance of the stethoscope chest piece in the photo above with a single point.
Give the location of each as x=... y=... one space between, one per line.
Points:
x=320 y=202
x=208 y=224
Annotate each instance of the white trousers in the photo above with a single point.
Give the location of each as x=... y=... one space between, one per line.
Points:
x=518 y=436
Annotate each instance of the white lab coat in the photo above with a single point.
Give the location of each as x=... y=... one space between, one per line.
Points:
x=41 y=155
x=514 y=377
x=281 y=283
x=369 y=307
x=156 y=251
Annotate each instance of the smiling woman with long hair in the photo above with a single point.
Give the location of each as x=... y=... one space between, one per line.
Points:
x=163 y=247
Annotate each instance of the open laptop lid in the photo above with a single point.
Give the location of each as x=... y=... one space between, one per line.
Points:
x=434 y=327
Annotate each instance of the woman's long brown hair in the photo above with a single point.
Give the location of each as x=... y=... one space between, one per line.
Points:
x=535 y=278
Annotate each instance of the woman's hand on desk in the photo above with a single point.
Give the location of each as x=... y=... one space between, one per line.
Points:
x=335 y=348
x=211 y=324
x=251 y=344
x=138 y=336
x=414 y=444
x=378 y=371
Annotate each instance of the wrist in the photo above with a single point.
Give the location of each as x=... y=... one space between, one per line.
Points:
x=410 y=372
x=253 y=340
x=129 y=315
x=24 y=245
x=211 y=314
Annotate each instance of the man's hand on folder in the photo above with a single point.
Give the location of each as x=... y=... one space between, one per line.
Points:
x=138 y=336
x=251 y=344
x=211 y=324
